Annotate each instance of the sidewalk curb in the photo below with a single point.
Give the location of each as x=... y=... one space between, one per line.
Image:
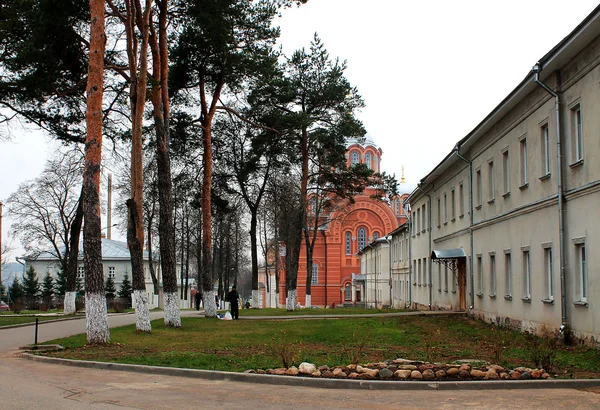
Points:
x=321 y=382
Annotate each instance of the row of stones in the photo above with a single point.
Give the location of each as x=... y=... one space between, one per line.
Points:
x=403 y=369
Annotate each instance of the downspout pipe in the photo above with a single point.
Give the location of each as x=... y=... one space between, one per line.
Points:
x=561 y=243
x=471 y=244
x=410 y=272
x=428 y=253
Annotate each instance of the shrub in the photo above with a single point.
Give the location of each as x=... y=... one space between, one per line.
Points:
x=541 y=350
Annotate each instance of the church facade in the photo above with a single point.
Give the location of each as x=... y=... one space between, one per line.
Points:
x=335 y=263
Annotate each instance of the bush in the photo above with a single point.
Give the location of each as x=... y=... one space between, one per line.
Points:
x=541 y=350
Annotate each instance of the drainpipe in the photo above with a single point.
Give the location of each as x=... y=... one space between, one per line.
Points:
x=429 y=253
x=457 y=150
x=389 y=241
x=561 y=244
x=410 y=263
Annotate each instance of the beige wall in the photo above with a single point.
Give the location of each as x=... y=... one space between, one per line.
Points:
x=523 y=216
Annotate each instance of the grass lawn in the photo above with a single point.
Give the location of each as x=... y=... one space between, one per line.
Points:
x=240 y=345
x=305 y=312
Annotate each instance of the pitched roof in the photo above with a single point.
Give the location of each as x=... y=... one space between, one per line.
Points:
x=111 y=250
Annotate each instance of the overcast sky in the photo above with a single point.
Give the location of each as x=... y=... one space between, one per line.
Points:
x=429 y=71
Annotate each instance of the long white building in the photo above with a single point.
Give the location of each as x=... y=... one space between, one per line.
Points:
x=505 y=227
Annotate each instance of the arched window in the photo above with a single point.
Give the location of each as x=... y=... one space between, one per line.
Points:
x=315 y=274
x=375 y=235
x=348 y=292
x=348 y=243
x=362 y=238
x=368 y=160
x=354 y=158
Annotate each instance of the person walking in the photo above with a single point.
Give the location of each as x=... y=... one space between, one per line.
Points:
x=233 y=298
x=197 y=299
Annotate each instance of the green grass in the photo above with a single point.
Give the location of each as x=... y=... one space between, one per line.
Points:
x=212 y=344
x=306 y=312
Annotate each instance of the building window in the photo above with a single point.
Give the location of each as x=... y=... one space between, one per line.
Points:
x=439 y=212
x=315 y=274
x=524 y=172
x=506 y=171
x=425 y=275
x=354 y=157
x=507 y=275
x=461 y=199
x=548 y=282
x=479 y=276
x=581 y=271
x=453 y=204
x=526 y=276
x=445 y=209
x=348 y=292
x=545 y=144
x=445 y=278
x=479 y=188
x=368 y=160
x=362 y=238
x=577 y=133
x=375 y=235
x=348 y=243
x=490 y=181
x=424 y=218
x=111 y=272
x=493 y=281
x=81 y=272
x=439 y=277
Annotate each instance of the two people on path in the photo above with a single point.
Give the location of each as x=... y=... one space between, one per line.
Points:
x=233 y=297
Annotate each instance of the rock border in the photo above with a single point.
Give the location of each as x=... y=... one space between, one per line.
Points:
x=326 y=383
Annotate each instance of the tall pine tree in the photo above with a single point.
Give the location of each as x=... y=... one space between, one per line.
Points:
x=126 y=289
x=47 y=291
x=109 y=288
x=31 y=288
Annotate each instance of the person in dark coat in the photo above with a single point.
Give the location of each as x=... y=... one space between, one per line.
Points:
x=233 y=298
x=197 y=299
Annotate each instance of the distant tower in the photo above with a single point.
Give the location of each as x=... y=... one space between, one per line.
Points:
x=109 y=210
x=402 y=180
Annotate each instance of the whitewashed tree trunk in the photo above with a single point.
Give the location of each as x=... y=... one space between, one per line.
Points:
x=210 y=306
x=171 y=310
x=291 y=300
x=308 y=302
x=142 y=311
x=69 y=303
x=256 y=299
x=96 y=318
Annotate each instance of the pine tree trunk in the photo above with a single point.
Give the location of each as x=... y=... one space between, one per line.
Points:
x=207 y=277
x=161 y=113
x=72 y=259
x=97 y=329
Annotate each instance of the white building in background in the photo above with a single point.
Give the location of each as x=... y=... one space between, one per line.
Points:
x=512 y=212
x=116 y=262
x=375 y=262
x=400 y=248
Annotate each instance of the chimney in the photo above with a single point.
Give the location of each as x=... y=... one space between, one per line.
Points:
x=109 y=206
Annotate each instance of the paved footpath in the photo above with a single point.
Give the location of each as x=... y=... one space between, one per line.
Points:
x=25 y=384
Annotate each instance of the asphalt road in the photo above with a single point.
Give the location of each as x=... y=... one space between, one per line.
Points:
x=25 y=384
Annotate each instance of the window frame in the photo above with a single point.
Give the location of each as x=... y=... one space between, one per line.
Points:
x=576 y=127
x=508 y=275
x=523 y=162
x=526 y=274
x=545 y=149
x=506 y=171
x=491 y=187
x=548 y=272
